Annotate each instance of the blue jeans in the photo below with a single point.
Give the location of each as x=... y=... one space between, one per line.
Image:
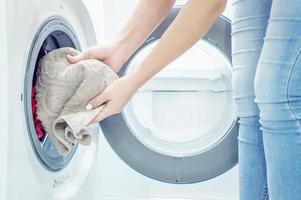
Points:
x=266 y=42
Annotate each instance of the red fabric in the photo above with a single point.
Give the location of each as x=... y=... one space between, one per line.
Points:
x=40 y=132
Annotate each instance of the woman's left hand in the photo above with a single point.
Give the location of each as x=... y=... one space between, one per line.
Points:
x=114 y=97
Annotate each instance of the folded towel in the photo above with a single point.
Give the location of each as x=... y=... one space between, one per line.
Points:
x=62 y=92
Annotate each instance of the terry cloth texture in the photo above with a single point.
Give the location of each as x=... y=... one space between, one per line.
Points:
x=62 y=92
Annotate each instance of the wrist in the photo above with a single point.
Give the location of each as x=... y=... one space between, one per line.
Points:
x=119 y=55
x=110 y=53
x=124 y=46
x=135 y=79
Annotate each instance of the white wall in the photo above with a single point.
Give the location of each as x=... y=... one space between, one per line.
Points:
x=116 y=12
x=96 y=11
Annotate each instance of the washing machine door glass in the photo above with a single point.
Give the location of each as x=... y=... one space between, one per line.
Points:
x=187 y=107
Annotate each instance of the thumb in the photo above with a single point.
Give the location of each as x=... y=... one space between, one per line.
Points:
x=74 y=59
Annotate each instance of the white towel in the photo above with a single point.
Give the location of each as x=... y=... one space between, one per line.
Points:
x=62 y=92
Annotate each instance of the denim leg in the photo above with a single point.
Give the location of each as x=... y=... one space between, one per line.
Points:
x=278 y=95
x=248 y=30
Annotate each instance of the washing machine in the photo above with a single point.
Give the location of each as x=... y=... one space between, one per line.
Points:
x=177 y=137
x=31 y=168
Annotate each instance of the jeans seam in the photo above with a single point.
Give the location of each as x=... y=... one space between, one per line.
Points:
x=265 y=195
x=288 y=85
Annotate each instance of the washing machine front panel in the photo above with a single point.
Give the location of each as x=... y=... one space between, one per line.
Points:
x=3 y=101
x=37 y=27
x=181 y=126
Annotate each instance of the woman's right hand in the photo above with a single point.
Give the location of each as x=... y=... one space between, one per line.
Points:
x=111 y=54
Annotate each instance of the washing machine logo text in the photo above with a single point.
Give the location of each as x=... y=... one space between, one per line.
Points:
x=60 y=180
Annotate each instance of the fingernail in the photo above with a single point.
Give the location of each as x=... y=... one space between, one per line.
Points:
x=89 y=107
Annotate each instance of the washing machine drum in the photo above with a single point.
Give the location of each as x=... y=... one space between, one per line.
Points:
x=181 y=126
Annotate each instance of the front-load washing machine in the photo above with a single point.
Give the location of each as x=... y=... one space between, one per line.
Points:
x=177 y=137
x=32 y=168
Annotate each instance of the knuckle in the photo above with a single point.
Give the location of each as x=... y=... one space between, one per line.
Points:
x=98 y=98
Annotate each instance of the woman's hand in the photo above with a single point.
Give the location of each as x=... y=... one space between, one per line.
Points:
x=115 y=96
x=111 y=53
x=114 y=54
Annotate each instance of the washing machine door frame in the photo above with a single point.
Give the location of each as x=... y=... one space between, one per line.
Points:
x=172 y=169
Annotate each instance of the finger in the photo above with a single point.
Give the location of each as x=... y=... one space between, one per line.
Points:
x=102 y=115
x=97 y=101
x=74 y=59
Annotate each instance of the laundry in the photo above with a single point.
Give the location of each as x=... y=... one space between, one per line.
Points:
x=40 y=132
x=62 y=92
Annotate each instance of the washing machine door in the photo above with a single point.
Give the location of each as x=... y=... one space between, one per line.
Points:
x=181 y=126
